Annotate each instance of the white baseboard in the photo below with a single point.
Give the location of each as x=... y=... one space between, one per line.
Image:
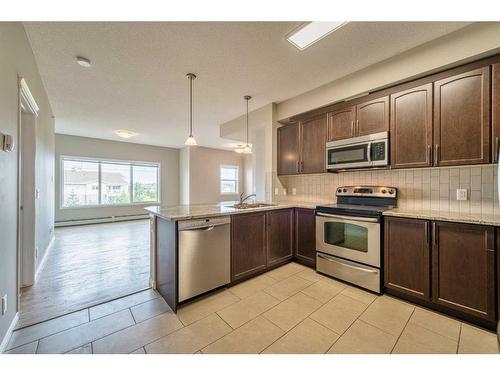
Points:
x=44 y=259
x=110 y=219
x=8 y=334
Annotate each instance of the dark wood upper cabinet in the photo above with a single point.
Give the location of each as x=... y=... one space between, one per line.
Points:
x=407 y=257
x=341 y=124
x=372 y=116
x=313 y=142
x=305 y=236
x=495 y=121
x=411 y=127
x=462 y=118
x=248 y=245
x=463 y=275
x=289 y=149
x=279 y=236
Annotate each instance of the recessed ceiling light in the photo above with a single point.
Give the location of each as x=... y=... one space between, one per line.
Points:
x=83 y=61
x=125 y=133
x=309 y=33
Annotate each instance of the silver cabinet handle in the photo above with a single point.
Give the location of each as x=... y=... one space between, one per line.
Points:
x=352 y=218
x=352 y=128
x=357 y=127
x=436 y=154
x=333 y=260
x=496 y=151
x=429 y=154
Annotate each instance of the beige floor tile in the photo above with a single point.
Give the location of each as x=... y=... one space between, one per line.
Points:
x=73 y=338
x=308 y=337
x=360 y=294
x=416 y=339
x=363 y=338
x=287 y=287
x=250 y=338
x=388 y=314
x=85 y=349
x=311 y=275
x=29 y=348
x=192 y=338
x=245 y=310
x=290 y=312
x=205 y=306
x=138 y=335
x=111 y=307
x=139 y=351
x=339 y=313
x=38 y=331
x=149 y=309
x=324 y=291
x=436 y=322
x=477 y=341
x=252 y=286
x=286 y=271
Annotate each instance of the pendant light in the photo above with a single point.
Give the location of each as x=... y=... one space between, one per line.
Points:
x=247 y=149
x=190 y=141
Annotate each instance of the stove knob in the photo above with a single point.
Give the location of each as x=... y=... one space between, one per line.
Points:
x=339 y=191
x=391 y=191
x=345 y=190
x=384 y=191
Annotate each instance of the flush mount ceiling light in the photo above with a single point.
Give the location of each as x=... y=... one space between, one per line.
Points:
x=83 y=61
x=309 y=33
x=125 y=133
x=190 y=141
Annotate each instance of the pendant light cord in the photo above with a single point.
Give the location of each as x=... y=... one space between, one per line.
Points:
x=247 y=98
x=190 y=106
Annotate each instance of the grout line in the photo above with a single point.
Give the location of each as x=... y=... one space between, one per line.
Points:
x=459 y=337
x=399 y=336
x=133 y=317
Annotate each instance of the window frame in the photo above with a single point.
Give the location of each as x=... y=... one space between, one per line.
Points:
x=228 y=166
x=99 y=161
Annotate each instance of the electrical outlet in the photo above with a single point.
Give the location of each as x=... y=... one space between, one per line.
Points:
x=461 y=194
x=294 y=191
x=4 y=304
x=276 y=191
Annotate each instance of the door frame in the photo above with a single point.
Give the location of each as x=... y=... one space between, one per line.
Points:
x=26 y=104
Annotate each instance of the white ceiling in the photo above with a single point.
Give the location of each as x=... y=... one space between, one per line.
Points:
x=138 y=83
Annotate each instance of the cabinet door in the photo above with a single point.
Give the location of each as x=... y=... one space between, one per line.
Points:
x=313 y=131
x=305 y=235
x=341 y=124
x=279 y=236
x=406 y=256
x=248 y=244
x=463 y=271
x=411 y=128
x=462 y=118
x=288 y=149
x=495 y=121
x=372 y=117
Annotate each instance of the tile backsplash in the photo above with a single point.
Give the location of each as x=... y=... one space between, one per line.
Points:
x=418 y=189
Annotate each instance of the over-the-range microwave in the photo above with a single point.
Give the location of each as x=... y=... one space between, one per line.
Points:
x=359 y=152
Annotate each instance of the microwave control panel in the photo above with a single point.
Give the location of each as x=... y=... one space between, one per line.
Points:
x=378 y=151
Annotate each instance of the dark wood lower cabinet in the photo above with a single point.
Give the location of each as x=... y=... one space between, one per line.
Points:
x=279 y=236
x=248 y=245
x=458 y=276
x=407 y=257
x=305 y=236
x=463 y=260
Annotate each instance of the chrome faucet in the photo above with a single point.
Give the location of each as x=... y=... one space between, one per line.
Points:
x=242 y=200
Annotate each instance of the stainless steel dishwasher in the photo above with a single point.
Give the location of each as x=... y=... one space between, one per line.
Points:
x=204 y=255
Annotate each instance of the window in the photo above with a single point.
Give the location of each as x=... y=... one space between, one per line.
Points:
x=96 y=182
x=228 y=179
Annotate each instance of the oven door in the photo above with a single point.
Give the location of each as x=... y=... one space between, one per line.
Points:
x=352 y=238
x=348 y=156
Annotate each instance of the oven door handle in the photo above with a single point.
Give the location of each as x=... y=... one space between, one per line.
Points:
x=332 y=259
x=351 y=218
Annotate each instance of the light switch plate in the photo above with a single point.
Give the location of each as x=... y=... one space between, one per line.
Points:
x=276 y=191
x=461 y=194
x=284 y=191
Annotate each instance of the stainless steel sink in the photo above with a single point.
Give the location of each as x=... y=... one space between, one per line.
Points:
x=243 y=206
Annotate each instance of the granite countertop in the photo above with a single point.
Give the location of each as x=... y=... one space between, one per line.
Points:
x=445 y=216
x=196 y=211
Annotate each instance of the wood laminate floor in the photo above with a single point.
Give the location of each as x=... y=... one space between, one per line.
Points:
x=88 y=265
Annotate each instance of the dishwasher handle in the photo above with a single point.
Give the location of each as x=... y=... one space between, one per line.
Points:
x=203 y=224
x=205 y=228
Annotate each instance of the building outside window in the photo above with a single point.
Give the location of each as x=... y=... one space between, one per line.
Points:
x=229 y=179
x=96 y=182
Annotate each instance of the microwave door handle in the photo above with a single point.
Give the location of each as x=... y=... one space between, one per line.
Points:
x=369 y=152
x=352 y=218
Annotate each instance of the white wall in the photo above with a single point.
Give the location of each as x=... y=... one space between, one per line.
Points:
x=67 y=145
x=203 y=166
x=184 y=175
x=18 y=60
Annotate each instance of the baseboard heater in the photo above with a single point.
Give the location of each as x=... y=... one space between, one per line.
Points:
x=97 y=220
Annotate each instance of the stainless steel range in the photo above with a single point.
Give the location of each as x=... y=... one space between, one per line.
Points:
x=349 y=234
